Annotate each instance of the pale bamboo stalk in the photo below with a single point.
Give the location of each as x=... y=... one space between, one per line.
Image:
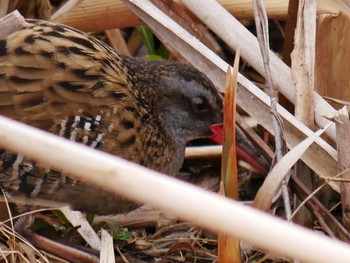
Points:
x=303 y=62
x=203 y=152
x=78 y=220
x=332 y=54
x=117 y=41
x=105 y=14
x=321 y=157
x=341 y=119
x=303 y=74
x=11 y=23
x=143 y=185
x=109 y=14
x=107 y=250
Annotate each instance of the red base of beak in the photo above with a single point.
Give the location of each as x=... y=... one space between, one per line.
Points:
x=244 y=151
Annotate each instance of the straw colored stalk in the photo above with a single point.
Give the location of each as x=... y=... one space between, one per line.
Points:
x=11 y=23
x=143 y=185
x=303 y=62
x=109 y=14
x=341 y=119
x=203 y=152
x=303 y=69
x=265 y=196
x=332 y=51
x=262 y=30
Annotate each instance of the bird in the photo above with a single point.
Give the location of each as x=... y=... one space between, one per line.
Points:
x=62 y=80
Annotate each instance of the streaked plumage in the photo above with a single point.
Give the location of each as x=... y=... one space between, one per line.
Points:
x=62 y=80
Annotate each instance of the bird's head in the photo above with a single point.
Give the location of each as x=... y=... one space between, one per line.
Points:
x=190 y=103
x=183 y=98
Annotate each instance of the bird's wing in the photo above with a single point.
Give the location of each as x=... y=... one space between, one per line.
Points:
x=62 y=80
x=49 y=73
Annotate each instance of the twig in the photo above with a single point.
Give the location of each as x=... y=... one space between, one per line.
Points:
x=319 y=210
x=261 y=23
x=342 y=122
x=303 y=68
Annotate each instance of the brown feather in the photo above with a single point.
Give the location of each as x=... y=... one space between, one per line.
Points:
x=64 y=81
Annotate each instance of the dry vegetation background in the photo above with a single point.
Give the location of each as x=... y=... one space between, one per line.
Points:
x=307 y=65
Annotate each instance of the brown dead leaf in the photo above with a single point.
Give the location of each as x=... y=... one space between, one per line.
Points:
x=272 y=183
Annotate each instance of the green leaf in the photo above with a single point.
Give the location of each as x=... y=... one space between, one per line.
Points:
x=102 y=224
x=61 y=216
x=163 y=52
x=154 y=57
x=148 y=39
x=50 y=230
x=123 y=234
x=90 y=218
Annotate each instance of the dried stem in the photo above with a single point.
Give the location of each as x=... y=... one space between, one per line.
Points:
x=219 y=214
x=261 y=23
x=343 y=134
x=11 y=23
x=303 y=68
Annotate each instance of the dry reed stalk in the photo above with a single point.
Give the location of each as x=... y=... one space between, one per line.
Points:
x=332 y=51
x=109 y=14
x=303 y=62
x=262 y=29
x=203 y=152
x=11 y=23
x=107 y=249
x=117 y=41
x=303 y=69
x=218 y=214
x=342 y=122
x=327 y=221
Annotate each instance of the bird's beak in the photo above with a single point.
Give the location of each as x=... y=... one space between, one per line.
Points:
x=244 y=150
x=217 y=133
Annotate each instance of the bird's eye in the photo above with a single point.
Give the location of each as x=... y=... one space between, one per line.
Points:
x=200 y=105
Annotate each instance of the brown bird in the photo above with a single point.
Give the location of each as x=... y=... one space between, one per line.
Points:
x=62 y=80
